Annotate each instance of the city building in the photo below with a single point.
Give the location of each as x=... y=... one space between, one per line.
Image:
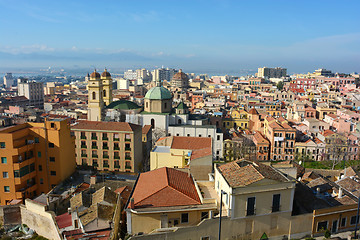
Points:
x=110 y=146
x=180 y=81
x=165 y=198
x=35 y=157
x=33 y=91
x=192 y=153
x=266 y=72
x=8 y=80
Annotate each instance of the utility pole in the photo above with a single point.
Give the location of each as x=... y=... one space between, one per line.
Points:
x=221 y=194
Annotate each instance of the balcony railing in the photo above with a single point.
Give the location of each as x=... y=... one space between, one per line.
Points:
x=127 y=149
x=94 y=147
x=127 y=158
x=106 y=165
x=83 y=155
x=93 y=138
x=83 y=146
x=116 y=139
x=105 y=138
x=95 y=156
x=95 y=165
x=105 y=156
x=127 y=140
x=116 y=148
x=116 y=157
x=105 y=147
x=127 y=167
x=116 y=166
x=83 y=137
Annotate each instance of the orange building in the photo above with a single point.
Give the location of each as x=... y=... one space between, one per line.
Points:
x=35 y=157
x=262 y=146
x=281 y=137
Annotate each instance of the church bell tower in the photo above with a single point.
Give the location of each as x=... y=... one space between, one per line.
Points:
x=95 y=97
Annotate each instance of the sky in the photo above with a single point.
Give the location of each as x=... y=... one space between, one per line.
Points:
x=197 y=36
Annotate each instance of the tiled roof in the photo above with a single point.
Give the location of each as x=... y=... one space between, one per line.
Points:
x=190 y=142
x=242 y=173
x=63 y=220
x=199 y=153
x=260 y=138
x=350 y=185
x=327 y=133
x=106 y=126
x=146 y=129
x=165 y=187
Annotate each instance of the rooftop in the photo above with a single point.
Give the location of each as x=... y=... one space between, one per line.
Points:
x=105 y=126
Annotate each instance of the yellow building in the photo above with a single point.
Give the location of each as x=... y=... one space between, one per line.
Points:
x=35 y=157
x=194 y=153
x=111 y=146
x=324 y=109
x=236 y=119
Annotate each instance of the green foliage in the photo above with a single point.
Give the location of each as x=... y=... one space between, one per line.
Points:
x=327 y=233
x=328 y=164
x=280 y=85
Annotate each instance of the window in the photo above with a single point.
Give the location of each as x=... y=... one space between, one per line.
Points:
x=218 y=137
x=322 y=226
x=37 y=140
x=52 y=125
x=204 y=215
x=343 y=222
x=184 y=218
x=52 y=159
x=40 y=168
x=205 y=238
x=39 y=154
x=41 y=181
x=5 y=175
x=51 y=145
x=2 y=145
x=6 y=189
x=276 y=203
x=353 y=220
x=250 y=207
x=3 y=160
x=93 y=95
x=53 y=173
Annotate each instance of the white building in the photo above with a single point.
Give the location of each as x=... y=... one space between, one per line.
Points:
x=130 y=74
x=33 y=91
x=8 y=80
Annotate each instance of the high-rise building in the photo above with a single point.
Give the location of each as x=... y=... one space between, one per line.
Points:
x=180 y=81
x=34 y=91
x=163 y=74
x=130 y=74
x=35 y=157
x=266 y=72
x=113 y=146
x=8 y=80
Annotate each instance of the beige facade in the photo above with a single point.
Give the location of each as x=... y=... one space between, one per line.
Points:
x=111 y=146
x=157 y=106
x=95 y=101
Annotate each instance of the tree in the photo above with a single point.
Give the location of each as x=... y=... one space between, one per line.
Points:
x=280 y=85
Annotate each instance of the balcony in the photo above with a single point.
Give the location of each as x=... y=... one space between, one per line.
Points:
x=116 y=166
x=127 y=149
x=25 y=148
x=94 y=147
x=105 y=156
x=116 y=148
x=19 y=164
x=105 y=138
x=106 y=147
x=83 y=137
x=83 y=146
x=127 y=167
x=95 y=165
x=116 y=157
x=83 y=155
x=127 y=140
x=94 y=156
x=93 y=138
x=106 y=165
x=127 y=158
x=116 y=139
x=278 y=139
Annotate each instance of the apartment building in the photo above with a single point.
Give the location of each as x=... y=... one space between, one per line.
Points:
x=282 y=138
x=109 y=146
x=262 y=146
x=266 y=72
x=33 y=91
x=35 y=157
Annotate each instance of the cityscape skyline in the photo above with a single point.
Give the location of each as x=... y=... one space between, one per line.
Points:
x=220 y=36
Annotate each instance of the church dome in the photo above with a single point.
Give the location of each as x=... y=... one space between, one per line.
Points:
x=95 y=74
x=180 y=76
x=123 y=105
x=158 y=93
x=105 y=74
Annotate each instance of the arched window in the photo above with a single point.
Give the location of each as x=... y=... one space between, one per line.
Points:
x=179 y=121
x=93 y=95
x=104 y=93
x=152 y=123
x=147 y=105
x=165 y=105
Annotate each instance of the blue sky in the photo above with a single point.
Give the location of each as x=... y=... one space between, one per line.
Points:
x=211 y=35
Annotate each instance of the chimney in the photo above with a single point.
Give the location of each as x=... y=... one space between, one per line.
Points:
x=132 y=205
x=92 y=179
x=340 y=192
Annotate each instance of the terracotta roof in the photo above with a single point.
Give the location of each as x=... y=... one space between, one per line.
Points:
x=63 y=220
x=350 y=185
x=199 y=153
x=253 y=111
x=190 y=142
x=260 y=138
x=146 y=129
x=77 y=234
x=165 y=187
x=241 y=173
x=124 y=192
x=83 y=186
x=106 y=126
x=327 y=133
